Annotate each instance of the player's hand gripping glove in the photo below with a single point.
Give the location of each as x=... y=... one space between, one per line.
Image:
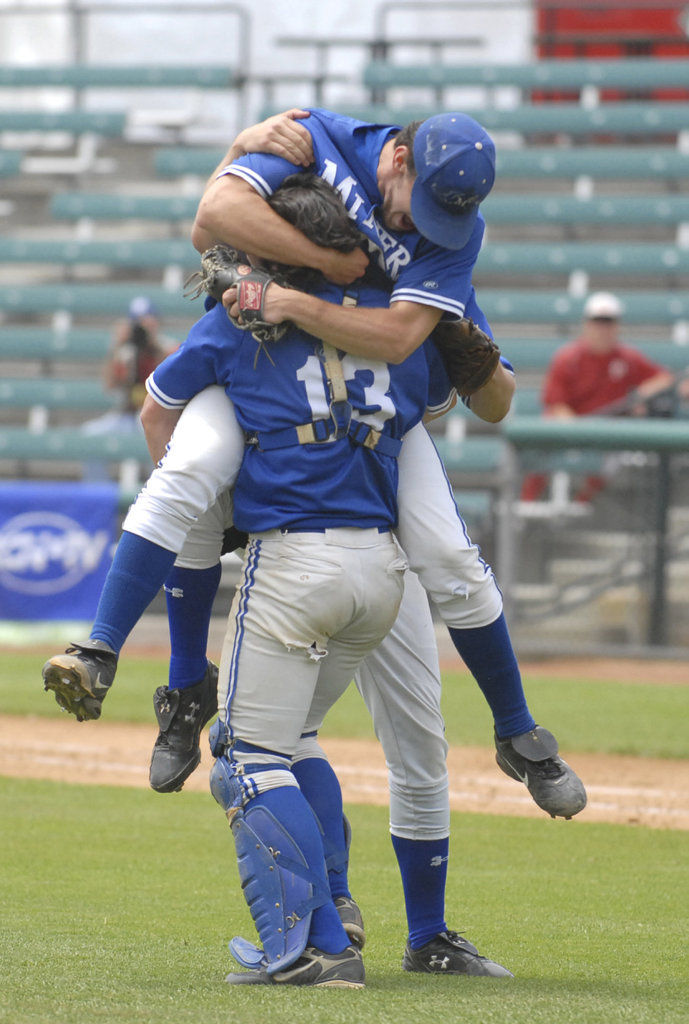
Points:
x=223 y=267
x=470 y=355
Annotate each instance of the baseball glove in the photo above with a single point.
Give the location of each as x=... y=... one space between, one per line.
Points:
x=470 y=356
x=222 y=268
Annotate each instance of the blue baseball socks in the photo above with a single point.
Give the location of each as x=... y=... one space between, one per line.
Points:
x=487 y=653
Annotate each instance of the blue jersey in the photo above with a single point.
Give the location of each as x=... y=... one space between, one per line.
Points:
x=340 y=482
x=346 y=154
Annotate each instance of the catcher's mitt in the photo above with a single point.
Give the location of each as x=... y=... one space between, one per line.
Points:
x=470 y=356
x=223 y=268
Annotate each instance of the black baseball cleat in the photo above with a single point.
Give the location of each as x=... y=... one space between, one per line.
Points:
x=81 y=677
x=181 y=716
x=352 y=921
x=450 y=953
x=313 y=969
x=532 y=758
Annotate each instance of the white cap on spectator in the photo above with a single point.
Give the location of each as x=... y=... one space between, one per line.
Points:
x=604 y=305
x=141 y=306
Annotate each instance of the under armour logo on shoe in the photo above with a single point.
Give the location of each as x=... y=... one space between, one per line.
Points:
x=437 y=963
x=191 y=713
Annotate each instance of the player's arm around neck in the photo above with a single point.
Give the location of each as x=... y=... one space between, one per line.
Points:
x=390 y=334
x=231 y=211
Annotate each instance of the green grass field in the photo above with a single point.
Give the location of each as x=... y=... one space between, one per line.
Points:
x=609 y=717
x=117 y=904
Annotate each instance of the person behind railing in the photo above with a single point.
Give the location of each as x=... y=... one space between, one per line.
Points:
x=138 y=347
x=599 y=374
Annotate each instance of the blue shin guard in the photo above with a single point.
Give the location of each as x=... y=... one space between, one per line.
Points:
x=279 y=887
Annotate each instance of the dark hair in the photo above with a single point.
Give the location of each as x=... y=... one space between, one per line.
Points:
x=316 y=209
x=405 y=137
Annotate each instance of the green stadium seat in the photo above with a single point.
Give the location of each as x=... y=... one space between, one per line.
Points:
x=68 y=444
x=549 y=306
x=475 y=506
x=535 y=354
x=79 y=343
x=473 y=456
x=634 y=74
x=55 y=394
x=628 y=119
x=599 y=162
x=95 y=299
x=178 y=160
x=76 y=122
x=153 y=253
x=10 y=162
x=526 y=402
x=569 y=209
x=74 y=205
x=546 y=258
x=598 y=432
x=88 y=76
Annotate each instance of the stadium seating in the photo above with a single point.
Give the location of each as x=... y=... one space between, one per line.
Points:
x=75 y=122
x=73 y=205
x=94 y=299
x=10 y=162
x=90 y=76
x=68 y=444
x=51 y=393
x=544 y=75
x=473 y=457
x=628 y=119
x=605 y=162
x=544 y=258
x=49 y=345
x=535 y=354
x=116 y=253
x=542 y=208
x=178 y=160
x=527 y=305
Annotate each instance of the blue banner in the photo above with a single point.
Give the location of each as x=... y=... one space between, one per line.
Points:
x=56 y=546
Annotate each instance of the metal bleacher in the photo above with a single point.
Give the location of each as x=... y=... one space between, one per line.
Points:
x=116 y=206
x=94 y=299
x=156 y=252
x=572 y=75
x=138 y=76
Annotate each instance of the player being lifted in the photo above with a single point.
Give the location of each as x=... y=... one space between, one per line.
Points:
x=415 y=193
x=321 y=584
x=465 y=591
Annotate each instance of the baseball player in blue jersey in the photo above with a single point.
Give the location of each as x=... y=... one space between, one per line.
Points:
x=415 y=193
x=419 y=799
x=321 y=585
x=459 y=582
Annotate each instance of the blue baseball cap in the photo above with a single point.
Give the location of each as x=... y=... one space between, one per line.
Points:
x=455 y=166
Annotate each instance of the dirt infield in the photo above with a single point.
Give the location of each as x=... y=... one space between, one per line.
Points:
x=625 y=790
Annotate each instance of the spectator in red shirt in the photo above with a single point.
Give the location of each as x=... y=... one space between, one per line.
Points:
x=597 y=370
x=596 y=373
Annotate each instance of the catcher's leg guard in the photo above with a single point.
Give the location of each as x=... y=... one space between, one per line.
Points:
x=279 y=887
